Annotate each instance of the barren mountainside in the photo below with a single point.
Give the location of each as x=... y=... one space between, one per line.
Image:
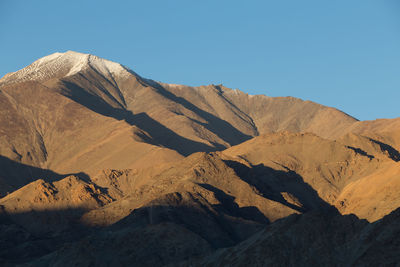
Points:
x=100 y=166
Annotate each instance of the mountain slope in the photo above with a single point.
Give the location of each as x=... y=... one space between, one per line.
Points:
x=97 y=161
x=74 y=112
x=345 y=176
x=50 y=131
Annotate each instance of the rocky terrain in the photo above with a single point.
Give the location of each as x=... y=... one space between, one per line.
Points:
x=102 y=167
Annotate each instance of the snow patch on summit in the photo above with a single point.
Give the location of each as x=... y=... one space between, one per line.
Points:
x=102 y=66
x=60 y=65
x=48 y=58
x=79 y=62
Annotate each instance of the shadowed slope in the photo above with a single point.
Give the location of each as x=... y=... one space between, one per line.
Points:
x=15 y=175
x=355 y=181
x=220 y=127
x=218 y=181
x=161 y=135
x=283 y=186
x=333 y=240
x=51 y=131
x=386 y=131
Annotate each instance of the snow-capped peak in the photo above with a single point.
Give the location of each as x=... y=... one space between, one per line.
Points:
x=60 y=65
x=101 y=65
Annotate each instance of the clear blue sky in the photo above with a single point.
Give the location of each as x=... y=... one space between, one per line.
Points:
x=342 y=53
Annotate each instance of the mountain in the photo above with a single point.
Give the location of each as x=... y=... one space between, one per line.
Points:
x=102 y=106
x=100 y=166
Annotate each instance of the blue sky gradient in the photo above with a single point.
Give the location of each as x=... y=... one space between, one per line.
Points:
x=344 y=54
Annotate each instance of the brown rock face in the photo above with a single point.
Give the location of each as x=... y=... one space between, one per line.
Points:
x=102 y=167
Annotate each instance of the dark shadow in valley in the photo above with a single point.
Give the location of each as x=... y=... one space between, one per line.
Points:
x=272 y=183
x=160 y=135
x=32 y=234
x=229 y=206
x=16 y=175
x=26 y=236
x=221 y=225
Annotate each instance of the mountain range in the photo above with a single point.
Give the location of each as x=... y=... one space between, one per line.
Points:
x=100 y=166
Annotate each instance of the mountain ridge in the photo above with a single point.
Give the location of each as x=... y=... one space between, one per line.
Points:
x=96 y=160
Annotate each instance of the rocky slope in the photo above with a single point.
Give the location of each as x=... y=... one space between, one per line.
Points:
x=100 y=166
x=67 y=106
